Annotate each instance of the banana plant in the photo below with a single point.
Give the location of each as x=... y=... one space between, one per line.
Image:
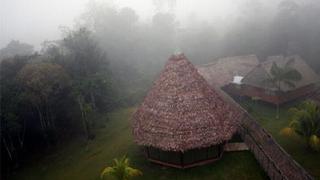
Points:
x=305 y=122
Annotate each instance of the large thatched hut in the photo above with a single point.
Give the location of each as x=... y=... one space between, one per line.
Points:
x=182 y=121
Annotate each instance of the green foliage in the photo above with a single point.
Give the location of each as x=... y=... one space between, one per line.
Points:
x=43 y=80
x=71 y=161
x=40 y=93
x=305 y=122
x=121 y=170
x=291 y=143
x=286 y=75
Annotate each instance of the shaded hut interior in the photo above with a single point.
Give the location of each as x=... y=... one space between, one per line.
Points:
x=190 y=158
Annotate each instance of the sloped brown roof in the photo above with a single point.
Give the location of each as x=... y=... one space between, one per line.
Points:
x=222 y=71
x=182 y=112
x=258 y=77
x=255 y=77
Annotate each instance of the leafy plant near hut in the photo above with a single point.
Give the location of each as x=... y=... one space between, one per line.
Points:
x=283 y=75
x=306 y=124
x=121 y=170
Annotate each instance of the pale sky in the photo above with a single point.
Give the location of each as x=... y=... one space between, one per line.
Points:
x=33 y=21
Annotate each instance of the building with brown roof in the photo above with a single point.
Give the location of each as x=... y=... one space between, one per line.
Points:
x=255 y=83
x=183 y=122
x=221 y=72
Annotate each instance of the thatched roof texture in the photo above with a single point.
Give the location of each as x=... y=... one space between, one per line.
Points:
x=182 y=112
x=222 y=71
x=258 y=75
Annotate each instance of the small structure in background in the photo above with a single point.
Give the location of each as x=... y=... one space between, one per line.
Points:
x=245 y=76
x=223 y=71
x=256 y=84
x=183 y=122
x=237 y=80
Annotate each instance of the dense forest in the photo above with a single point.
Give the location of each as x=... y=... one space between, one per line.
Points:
x=110 y=57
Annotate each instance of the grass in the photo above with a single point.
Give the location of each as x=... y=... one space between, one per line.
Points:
x=265 y=114
x=79 y=161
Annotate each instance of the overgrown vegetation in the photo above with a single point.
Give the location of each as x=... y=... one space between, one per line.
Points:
x=295 y=145
x=48 y=96
x=305 y=122
x=72 y=160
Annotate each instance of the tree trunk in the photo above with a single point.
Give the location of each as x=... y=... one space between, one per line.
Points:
x=7 y=148
x=93 y=100
x=22 y=135
x=42 y=124
x=84 y=118
x=279 y=93
x=278 y=111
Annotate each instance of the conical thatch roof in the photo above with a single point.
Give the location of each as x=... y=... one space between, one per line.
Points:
x=182 y=112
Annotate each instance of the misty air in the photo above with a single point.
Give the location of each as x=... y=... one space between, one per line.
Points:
x=160 y=89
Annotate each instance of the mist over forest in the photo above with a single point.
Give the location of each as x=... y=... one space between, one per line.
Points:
x=111 y=54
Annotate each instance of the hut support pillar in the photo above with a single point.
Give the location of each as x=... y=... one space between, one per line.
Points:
x=181 y=159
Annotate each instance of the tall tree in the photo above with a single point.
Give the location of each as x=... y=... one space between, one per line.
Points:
x=87 y=64
x=42 y=83
x=283 y=75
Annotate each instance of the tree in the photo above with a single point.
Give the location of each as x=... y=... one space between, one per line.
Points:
x=87 y=64
x=13 y=112
x=16 y=48
x=42 y=84
x=121 y=170
x=283 y=75
x=305 y=122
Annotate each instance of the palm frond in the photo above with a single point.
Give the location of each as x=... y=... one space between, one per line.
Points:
x=121 y=169
x=292 y=75
x=275 y=70
x=306 y=122
x=133 y=172
x=107 y=171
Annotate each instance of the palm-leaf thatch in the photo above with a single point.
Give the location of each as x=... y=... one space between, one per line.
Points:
x=182 y=112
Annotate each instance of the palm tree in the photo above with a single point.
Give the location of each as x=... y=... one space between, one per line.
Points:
x=286 y=75
x=306 y=124
x=121 y=170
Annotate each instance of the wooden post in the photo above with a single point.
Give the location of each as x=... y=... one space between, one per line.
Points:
x=148 y=153
x=207 y=156
x=181 y=159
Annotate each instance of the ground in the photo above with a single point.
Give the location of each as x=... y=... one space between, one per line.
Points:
x=77 y=161
x=265 y=114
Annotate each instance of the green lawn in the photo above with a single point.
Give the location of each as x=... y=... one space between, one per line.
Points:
x=265 y=114
x=75 y=161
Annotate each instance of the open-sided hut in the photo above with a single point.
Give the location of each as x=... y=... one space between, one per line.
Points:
x=182 y=121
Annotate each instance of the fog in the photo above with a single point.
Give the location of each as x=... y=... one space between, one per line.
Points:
x=138 y=36
x=67 y=67
x=34 y=21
